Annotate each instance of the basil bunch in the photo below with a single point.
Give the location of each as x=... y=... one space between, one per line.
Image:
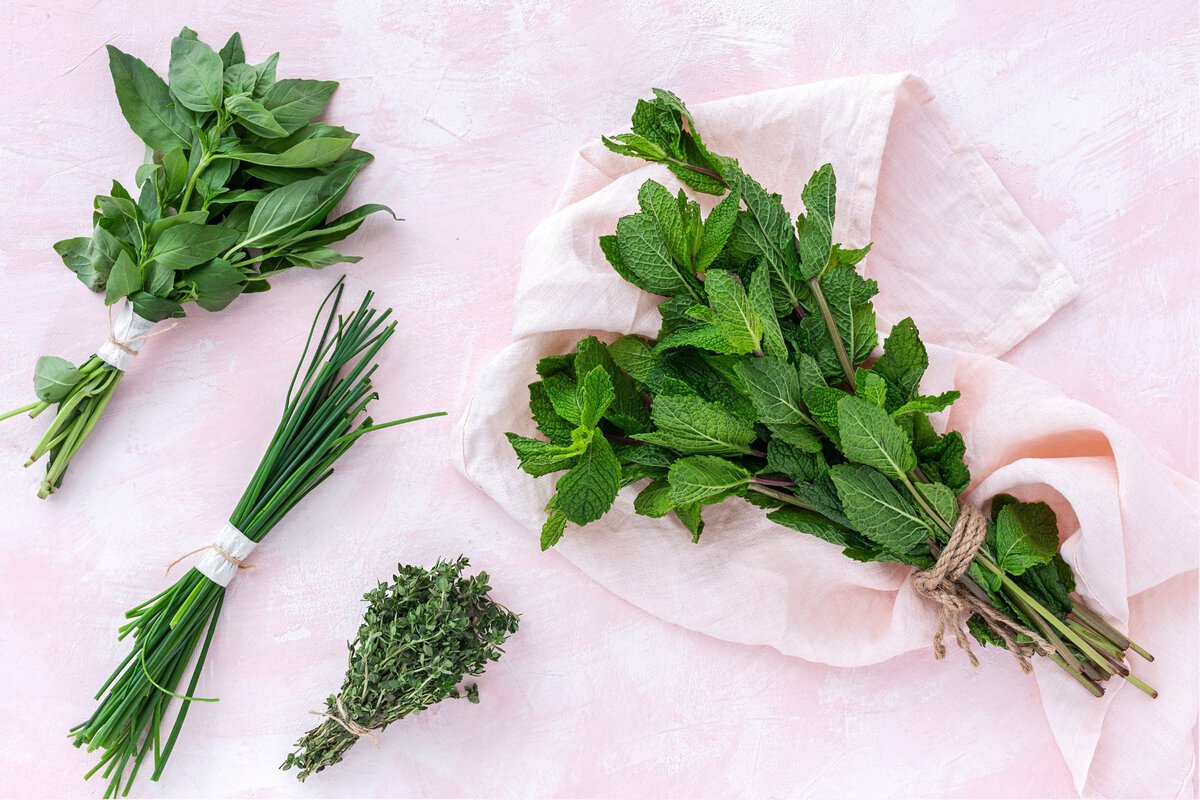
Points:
x=761 y=385
x=240 y=184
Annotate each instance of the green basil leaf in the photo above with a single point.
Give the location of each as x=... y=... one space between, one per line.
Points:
x=216 y=284
x=195 y=74
x=54 y=378
x=295 y=102
x=124 y=280
x=146 y=103
x=258 y=120
x=189 y=244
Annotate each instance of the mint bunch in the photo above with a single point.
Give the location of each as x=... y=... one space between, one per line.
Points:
x=239 y=184
x=762 y=385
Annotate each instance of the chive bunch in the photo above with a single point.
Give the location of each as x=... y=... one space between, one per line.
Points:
x=324 y=415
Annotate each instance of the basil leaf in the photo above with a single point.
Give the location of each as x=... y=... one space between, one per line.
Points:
x=196 y=74
x=146 y=103
x=308 y=153
x=189 y=244
x=125 y=279
x=294 y=102
x=215 y=284
x=255 y=118
x=54 y=378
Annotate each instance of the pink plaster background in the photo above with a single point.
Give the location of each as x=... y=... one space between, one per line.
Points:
x=1087 y=111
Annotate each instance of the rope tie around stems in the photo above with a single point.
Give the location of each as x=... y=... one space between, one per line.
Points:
x=347 y=723
x=940 y=583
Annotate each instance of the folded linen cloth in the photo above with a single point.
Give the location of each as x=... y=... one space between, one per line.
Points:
x=952 y=250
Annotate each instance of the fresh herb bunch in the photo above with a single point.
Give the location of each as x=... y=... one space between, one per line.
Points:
x=323 y=417
x=422 y=634
x=239 y=185
x=761 y=385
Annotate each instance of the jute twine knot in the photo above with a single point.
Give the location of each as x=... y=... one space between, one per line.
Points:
x=123 y=344
x=347 y=723
x=216 y=548
x=940 y=583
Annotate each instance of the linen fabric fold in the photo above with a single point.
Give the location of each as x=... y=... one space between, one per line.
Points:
x=952 y=250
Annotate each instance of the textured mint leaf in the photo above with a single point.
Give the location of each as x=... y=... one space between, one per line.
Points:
x=552 y=426
x=552 y=529
x=799 y=465
x=774 y=388
x=627 y=410
x=655 y=500
x=942 y=499
x=658 y=202
x=705 y=337
x=877 y=510
x=940 y=457
x=693 y=426
x=589 y=488
x=564 y=396
x=816 y=234
x=848 y=295
x=645 y=255
x=903 y=362
x=871 y=387
x=809 y=372
x=928 y=405
x=659 y=124
x=850 y=257
x=1050 y=584
x=634 y=355
x=822 y=402
x=805 y=521
x=1026 y=535
x=867 y=435
x=800 y=436
x=541 y=458
x=690 y=516
x=705 y=480
x=763 y=304
x=764 y=229
x=594 y=394
x=810 y=336
x=717 y=229
x=821 y=494
x=734 y=316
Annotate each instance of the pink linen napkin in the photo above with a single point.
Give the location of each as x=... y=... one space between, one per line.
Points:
x=952 y=250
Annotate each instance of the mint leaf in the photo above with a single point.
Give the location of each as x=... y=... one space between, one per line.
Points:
x=645 y=255
x=541 y=458
x=816 y=234
x=871 y=387
x=798 y=464
x=774 y=388
x=928 y=405
x=589 y=488
x=655 y=500
x=734 y=317
x=878 y=510
x=1026 y=535
x=717 y=229
x=627 y=411
x=867 y=435
x=903 y=362
x=690 y=516
x=552 y=529
x=658 y=202
x=552 y=426
x=761 y=301
x=692 y=426
x=634 y=355
x=705 y=480
x=943 y=501
x=848 y=295
x=594 y=394
x=765 y=230
x=805 y=521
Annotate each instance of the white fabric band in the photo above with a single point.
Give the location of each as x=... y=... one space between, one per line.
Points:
x=220 y=561
x=130 y=330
